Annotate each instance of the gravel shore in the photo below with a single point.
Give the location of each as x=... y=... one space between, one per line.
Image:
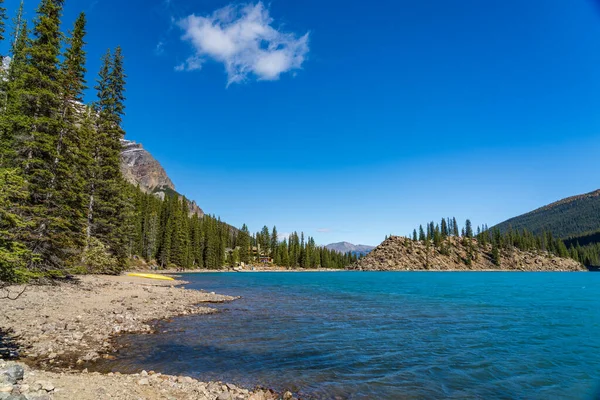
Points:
x=62 y=327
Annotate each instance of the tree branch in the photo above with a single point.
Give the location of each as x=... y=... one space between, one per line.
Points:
x=11 y=296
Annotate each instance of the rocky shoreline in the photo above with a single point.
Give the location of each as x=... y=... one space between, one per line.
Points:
x=64 y=327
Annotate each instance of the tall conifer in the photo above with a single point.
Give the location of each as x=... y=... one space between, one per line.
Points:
x=110 y=207
x=33 y=119
x=2 y=19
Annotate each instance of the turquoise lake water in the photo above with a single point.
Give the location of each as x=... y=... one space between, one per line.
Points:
x=363 y=335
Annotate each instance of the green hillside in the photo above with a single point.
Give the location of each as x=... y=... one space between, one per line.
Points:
x=570 y=217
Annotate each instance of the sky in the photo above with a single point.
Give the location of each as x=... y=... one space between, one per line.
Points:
x=352 y=120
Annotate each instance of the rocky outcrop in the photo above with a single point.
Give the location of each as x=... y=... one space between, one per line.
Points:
x=399 y=253
x=141 y=169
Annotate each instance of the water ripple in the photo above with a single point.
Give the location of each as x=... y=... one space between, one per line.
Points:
x=389 y=335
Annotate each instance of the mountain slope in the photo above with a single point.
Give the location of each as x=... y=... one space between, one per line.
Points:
x=565 y=218
x=345 y=247
x=141 y=169
x=399 y=253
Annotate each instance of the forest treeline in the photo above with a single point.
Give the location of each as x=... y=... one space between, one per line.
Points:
x=573 y=216
x=64 y=205
x=435 y=233
x=166 y=233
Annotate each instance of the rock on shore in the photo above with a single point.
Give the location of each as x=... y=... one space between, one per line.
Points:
x=399 y=253
x=62 y=326
x=19 y=382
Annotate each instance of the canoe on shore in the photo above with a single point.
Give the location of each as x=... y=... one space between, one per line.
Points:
x=152 y=276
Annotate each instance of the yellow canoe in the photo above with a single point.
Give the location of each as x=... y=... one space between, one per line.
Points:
x=152 y=276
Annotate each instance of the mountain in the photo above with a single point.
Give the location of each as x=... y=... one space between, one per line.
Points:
x=399 y=253
x=345 y=247
x=565 y=218
x=141 y=169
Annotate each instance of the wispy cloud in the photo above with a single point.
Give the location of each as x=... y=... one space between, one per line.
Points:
x=159 y=50
x=283 y=235
x=324 y=230
x=243 y=38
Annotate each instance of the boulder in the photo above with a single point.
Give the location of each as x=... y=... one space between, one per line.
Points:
x=13 y=373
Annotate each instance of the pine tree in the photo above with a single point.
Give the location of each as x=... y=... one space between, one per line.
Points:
x=72 y=158
x=2 y=19
x=32 y=118
x=495 y=246
x=109 y=206
x=283 y=250
x=274 y=246
x=14 y=255
x=265 y=241
x=454 y=227
x=197 y=243
x=244 y=244
x=468 y=229
x=444 y=228
x=421 y=233
x=13 y=121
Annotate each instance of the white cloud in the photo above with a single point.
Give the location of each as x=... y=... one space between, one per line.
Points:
x=324 y=230
x=283 y=235
x=243 y=39
x=193 y=63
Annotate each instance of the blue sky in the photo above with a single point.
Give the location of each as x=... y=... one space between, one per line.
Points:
x=351 y=120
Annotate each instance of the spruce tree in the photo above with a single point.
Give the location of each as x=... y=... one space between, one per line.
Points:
x=468 y=229
x=109 y=214
x=274 y=247
x=283 y=250
x=13 y=121
x=14 y=255
x=244 y=244
x=454 y=227
x=444 y=228
x=2 y=19
x=197 y=243
x=32 y=118
x=72 y=157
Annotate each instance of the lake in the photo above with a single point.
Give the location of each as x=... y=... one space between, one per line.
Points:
x=375 y=335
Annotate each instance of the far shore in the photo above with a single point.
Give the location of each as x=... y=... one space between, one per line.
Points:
x=206 y=271
x=212 y=271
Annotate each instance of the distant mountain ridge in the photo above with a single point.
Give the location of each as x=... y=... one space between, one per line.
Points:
x=141 y=169
x=345 y=247
x=569 y=217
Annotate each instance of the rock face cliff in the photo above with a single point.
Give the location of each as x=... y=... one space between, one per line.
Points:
x=140 y=168
x=402 y=254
